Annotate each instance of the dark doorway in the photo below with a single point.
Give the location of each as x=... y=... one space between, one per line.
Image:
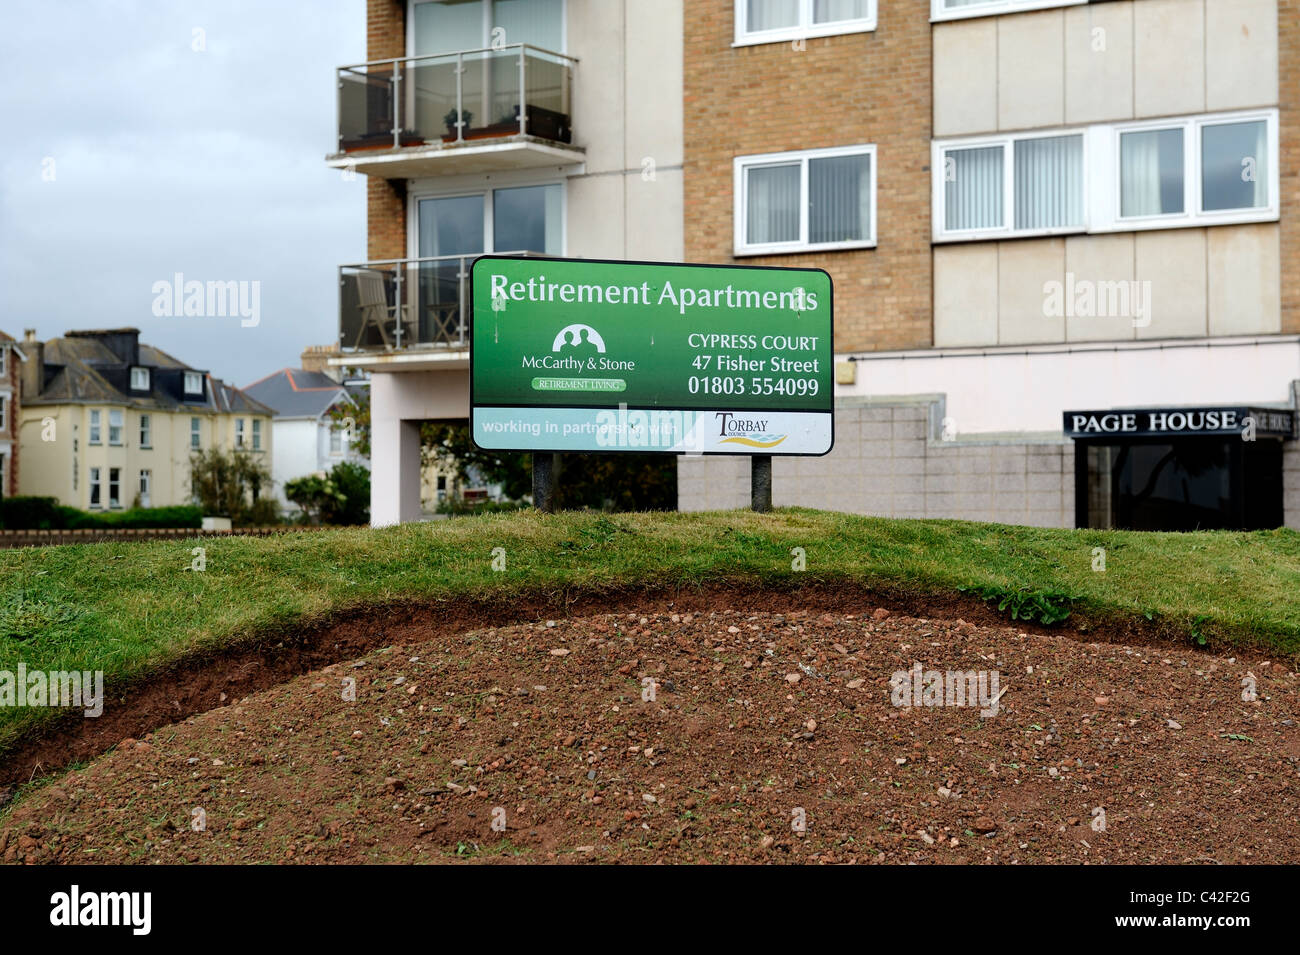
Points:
x=1179 y=484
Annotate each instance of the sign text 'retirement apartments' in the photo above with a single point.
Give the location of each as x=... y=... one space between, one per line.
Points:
x=583 y=355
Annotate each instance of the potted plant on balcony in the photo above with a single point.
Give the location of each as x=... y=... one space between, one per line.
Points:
x=464 y=116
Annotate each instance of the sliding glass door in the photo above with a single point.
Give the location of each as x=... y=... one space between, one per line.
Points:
x=456 y=229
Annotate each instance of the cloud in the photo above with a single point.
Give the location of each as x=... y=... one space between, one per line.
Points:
x=167 y=158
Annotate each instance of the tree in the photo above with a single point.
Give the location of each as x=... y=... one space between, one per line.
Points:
x=316 y=495
x=340 y=497
x=353 y=482
x=230 y=484
x=354 y=416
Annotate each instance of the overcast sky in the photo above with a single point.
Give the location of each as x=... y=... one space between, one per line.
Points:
x=166 y=158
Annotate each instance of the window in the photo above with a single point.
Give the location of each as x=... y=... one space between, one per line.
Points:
x=1025 y=185
x=4 y=357
x=336 y=441
x=1151 y=181
x=115 y=423
x=1192 y=171
x=836 y=187
x=445 y=26
x=257 y=434
x=776 y=21
x=145 y=427
x=94 y=437
x=139 y=379
x=195 y=442
x=194 y=383
x=519 y=219
x=114 y=487
x=146 y=488
x=94 y=487
x=239 y=432
x=4 y=413
x=957 y=9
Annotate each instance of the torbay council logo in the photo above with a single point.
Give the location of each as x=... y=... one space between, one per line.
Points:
x=753 y=433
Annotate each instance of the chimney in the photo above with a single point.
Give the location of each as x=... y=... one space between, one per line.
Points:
x=316 y=358
x=33 y=375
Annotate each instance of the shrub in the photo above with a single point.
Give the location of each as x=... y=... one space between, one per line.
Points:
x=46 y=513
x=26 y=513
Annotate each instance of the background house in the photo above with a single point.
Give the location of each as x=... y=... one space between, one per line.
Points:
x=307 y=439
x=107 y=421
x=10 y=376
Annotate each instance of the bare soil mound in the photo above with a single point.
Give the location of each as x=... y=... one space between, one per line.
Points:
x=770 y=737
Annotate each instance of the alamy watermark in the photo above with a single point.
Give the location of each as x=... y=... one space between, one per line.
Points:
x=1084 y=298
x=921 y=687
x=179 y=298
x=66 y=688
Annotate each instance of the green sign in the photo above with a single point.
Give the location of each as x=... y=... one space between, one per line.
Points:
x=593 y=355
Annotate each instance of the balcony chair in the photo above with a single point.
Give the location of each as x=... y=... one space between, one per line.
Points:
x=377 y=313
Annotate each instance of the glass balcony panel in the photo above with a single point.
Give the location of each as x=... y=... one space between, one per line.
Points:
x=456 y=97
x=366 y=107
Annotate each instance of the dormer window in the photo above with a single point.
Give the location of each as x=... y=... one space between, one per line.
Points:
x=193 y=384
x=139 y=379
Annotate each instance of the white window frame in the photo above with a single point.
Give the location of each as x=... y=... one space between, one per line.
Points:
x=990 y=8
x=257 y=434
x=120 y=416
x=1105 y=213
x=146 y=431
x=938 y=163
x=4 y=358
x=95 y=428
x=4 y=416
x=142 y=372
x=487 y=26
x=196 y=431
x=1101 y=179
x=480 y=186
x=740 y=169
x=239 y=433
x=805 y=29
x=146 y=487
x=94 y=485
x=114 y=502
x=193 y=376
x=336 y=440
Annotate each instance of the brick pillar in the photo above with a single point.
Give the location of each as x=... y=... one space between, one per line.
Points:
x=386 y=218
x=385 y=29
x=1288 y=82
x=385 y=200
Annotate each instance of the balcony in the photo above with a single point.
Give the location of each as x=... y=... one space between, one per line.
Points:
x=471 y=111
x=417 y=307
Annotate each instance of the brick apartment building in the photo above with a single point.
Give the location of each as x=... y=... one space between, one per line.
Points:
x=1065 y=236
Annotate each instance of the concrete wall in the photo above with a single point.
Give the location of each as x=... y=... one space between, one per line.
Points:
x=399 y=401
x=1117 y=61
x=1104 y=62
x=890 y=460
x=627 y=115
x=1018 y=390
x=1224 y=280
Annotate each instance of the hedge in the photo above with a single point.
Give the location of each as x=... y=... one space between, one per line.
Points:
x=45 y=513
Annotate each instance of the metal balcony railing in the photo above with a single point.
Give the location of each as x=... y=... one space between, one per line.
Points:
x=452 y=98
x=405 y=303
